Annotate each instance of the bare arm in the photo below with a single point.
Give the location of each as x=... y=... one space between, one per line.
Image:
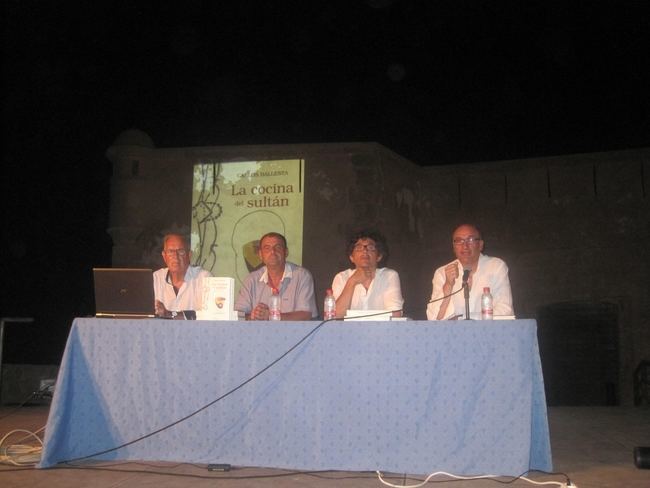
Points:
x=344 y=300
x=297 y=315
x=451 y=273
x=442 y=286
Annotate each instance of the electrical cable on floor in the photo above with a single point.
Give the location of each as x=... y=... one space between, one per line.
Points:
x=490 y=477
x=21 y=454
x=320 y=474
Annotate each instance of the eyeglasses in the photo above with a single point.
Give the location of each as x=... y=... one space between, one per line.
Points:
x=459 y=241
x=367 y=247
x=179 y=252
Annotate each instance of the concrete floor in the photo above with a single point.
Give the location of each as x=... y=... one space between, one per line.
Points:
x=592 y=445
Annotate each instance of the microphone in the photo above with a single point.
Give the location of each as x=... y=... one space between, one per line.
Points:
x=466 y=273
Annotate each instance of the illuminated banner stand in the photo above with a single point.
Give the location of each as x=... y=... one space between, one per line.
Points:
x=235 y=203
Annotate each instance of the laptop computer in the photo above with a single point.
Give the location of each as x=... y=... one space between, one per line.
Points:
x=124 y=293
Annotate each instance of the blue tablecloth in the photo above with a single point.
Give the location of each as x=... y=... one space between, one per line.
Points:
x=407 y=397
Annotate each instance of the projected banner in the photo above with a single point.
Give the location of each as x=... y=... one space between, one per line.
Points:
x=235 y=203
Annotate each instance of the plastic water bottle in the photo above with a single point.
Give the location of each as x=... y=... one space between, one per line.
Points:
x=329 y=307
x=486 y=304
x=274 y=306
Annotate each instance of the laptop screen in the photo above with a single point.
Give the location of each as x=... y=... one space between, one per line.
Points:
x=123 y=292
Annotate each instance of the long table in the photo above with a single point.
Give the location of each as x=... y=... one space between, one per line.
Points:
x=409 y=397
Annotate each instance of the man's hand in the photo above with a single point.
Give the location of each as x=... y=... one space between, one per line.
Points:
x=362 y=276
x=451 y=273
x=260 y=312
x=163 y=313
x=160 y=310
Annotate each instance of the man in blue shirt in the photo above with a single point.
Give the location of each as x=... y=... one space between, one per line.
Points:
x=294 y=284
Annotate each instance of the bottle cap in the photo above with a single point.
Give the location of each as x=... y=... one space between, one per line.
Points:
x=486 y=289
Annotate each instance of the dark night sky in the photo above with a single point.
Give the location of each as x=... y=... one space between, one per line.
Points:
x=439 y=82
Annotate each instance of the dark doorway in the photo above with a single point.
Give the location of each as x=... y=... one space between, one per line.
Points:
x=578 y=344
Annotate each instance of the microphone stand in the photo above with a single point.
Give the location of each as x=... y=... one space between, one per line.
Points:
x=466 y=294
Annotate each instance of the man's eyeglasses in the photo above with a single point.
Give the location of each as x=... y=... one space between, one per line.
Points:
x=179 y=252
x=459 y=241
x=367 y=247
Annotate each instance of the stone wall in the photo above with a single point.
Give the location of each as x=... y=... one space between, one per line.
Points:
x=573 y=229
